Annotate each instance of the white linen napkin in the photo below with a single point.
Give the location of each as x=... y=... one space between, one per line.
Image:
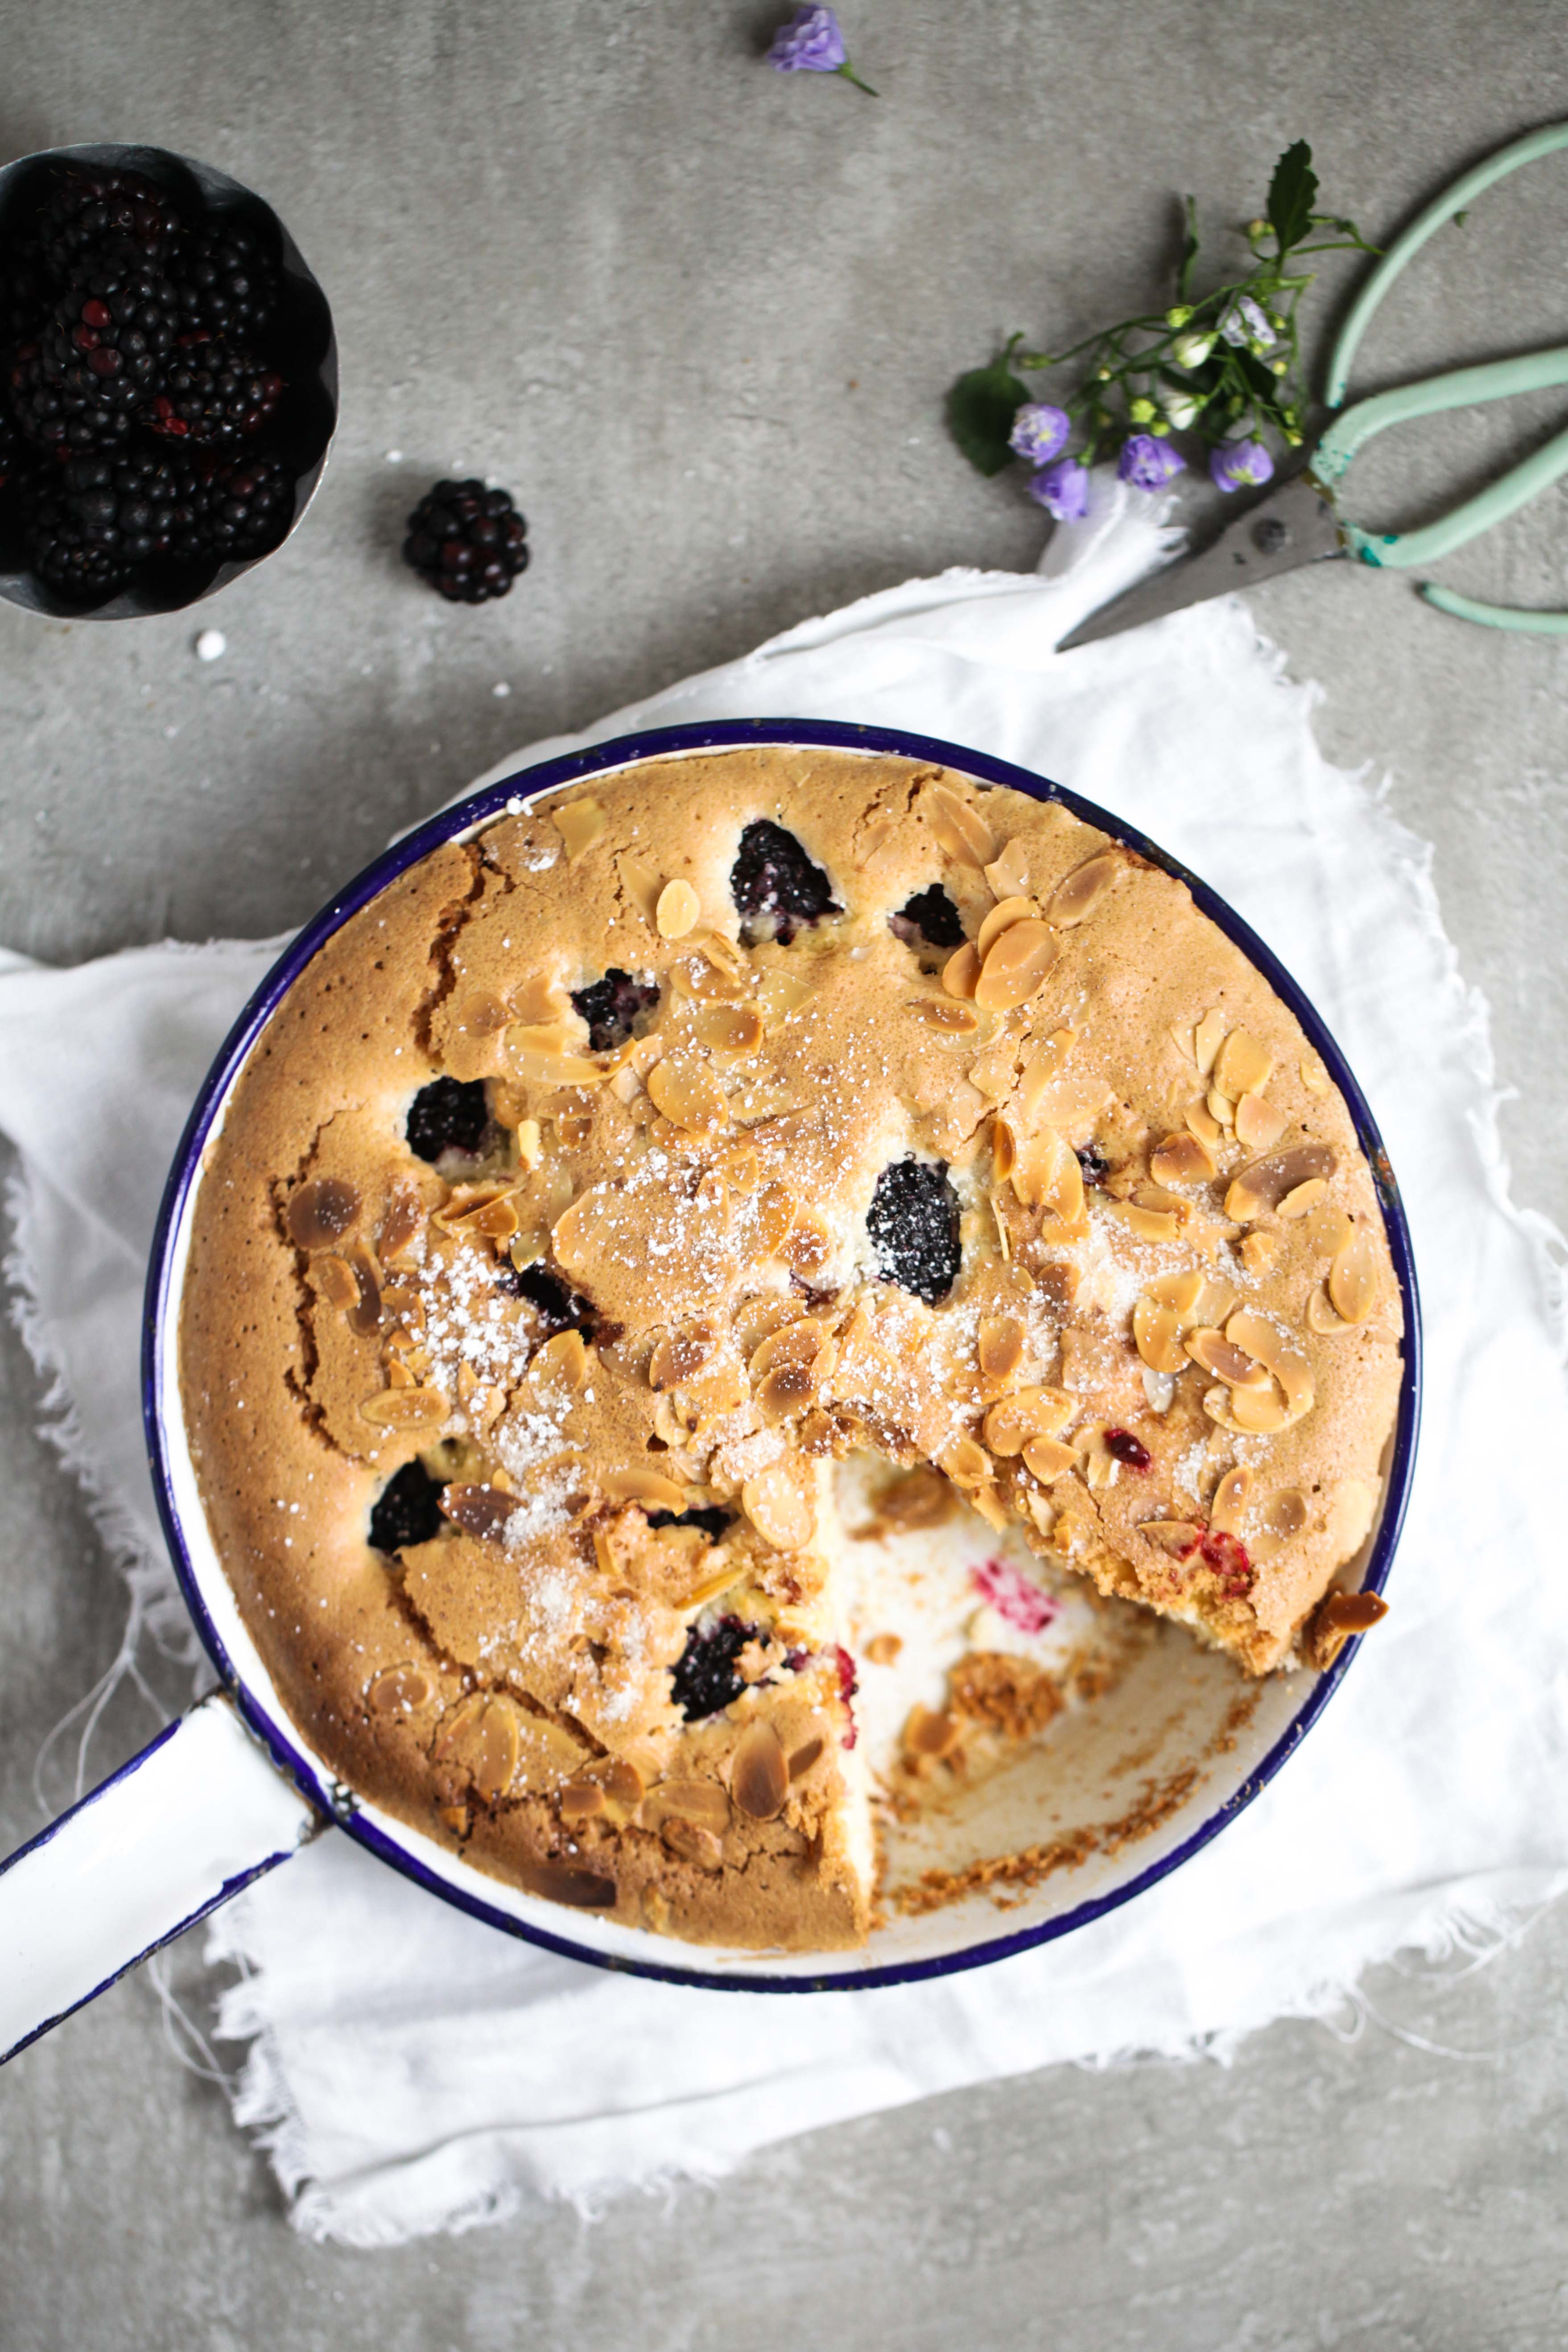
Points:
x=411 y=2070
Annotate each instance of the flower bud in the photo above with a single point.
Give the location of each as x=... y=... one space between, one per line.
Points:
x=1279 y=367
x=1160 y=428
x=1191 y=351
x=1180 y=315
x=1256 y=228
x=1141 y=410
x=1180 y=408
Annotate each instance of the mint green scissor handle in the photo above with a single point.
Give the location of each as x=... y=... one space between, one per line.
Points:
x=1462 y=388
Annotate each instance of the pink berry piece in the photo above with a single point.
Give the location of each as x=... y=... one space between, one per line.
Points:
x=1014 y=1597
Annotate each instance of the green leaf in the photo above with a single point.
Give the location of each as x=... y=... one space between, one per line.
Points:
x=1292 y=193
x=981 y=407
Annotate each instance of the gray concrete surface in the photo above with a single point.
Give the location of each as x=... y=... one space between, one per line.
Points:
x=700 y=320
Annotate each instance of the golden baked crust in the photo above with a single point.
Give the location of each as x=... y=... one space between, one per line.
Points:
x=1171 y=1350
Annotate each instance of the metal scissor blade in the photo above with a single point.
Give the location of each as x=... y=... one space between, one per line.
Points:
x=1294 y=525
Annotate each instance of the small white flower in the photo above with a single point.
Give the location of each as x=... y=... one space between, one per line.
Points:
x=1180 y=408
x=1191 y=351
x=1246 y=322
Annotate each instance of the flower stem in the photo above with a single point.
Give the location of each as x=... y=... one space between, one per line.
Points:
x=848 y=74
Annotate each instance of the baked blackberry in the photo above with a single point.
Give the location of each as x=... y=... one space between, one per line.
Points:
x=557 y=1305
x=12 y=449
x=913 y=1224
x=611 y=1008
x=711 y=1517
x=92 y=373
x=704 y=1678
x=92 y=521
x=928 y=919
x=448 y=1115
x=467 y=543
x=212 y=395
x=246 y=508
x=92 y=212
x=407 y=1510
x=774 y=885
x=226 y=284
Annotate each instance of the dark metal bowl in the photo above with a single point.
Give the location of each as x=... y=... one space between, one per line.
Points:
x=302 y=342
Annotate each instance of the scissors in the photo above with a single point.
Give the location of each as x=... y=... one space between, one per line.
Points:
x=1300 y=522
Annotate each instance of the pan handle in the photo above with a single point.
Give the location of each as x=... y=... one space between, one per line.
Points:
x=191 y=1819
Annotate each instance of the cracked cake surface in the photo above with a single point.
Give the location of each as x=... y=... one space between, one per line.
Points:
x=621 y=1172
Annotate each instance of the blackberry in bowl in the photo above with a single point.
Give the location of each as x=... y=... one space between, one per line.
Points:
x=168 y=381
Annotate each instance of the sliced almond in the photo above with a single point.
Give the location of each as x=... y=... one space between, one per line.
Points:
x=1258 y=1125
x=773 y=1215
x=737 y=1166
x=678 y=910
x=1266 y=1183
x=679 y=1357
x=1216 y=1301
x=1221 y=1109
x=1202 y=1122
x=1009 y=871
x=637 y=1484
x=335 y=1280
x=695 y=1801
x=965 y=1463
x=399 y=1691
x=1182 y=1159
x=1004 y=1151
x=1227 y=1362
x=1001 y=918
x=580 y=1801
x=688 y=1842
x=961 y=972
x=562 y=1364
x=406 y=1409
x=1324 y=1317
x=961 y=829
x=320 y=1212
x=1353 y=1277
x=1149 y=1225
x=1229 y=1501
x=999 y=1346
x=1208 y=1039
x=1285 y=1513
x=1017 y=966
x=728 y=1028
x=1261 y=1412
x=580 y=824
x=945 y=1012
x=759 y=1777
x=1314 y=1077
x=1014 y=1420
x=1179 y=1537
x=1242 y=1066
x=1180 y=1292
x=1327 y=1228
x=689 y=1095
x=1156 y=1334
x=779 y=1508
x=1078 y=892
x=804 y=1757
x=1301 y=1198
x=1258 y=1252
x=1047 y=1458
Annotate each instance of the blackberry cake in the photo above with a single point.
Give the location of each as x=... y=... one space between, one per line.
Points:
x=706 y=1181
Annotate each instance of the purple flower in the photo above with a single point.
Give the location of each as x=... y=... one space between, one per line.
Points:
x=1062 y=489
x=812 y=42
x=1147 y=463
x=1039 y=431
x=1240 y=465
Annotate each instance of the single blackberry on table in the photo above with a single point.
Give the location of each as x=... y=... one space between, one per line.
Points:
x=91 y=375
x=610 y=1006
x=467 y=543
x=212 y=395
x=930 y=919
x=913 y=1224
x=246 y=508
x=711 y=1518
x=227 y=283
x=90 y=521
x=703 y=1679
x=407 y=1510
x=93 y=210
x=558 y=1307
x=775 y=883
x=448 y=1115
